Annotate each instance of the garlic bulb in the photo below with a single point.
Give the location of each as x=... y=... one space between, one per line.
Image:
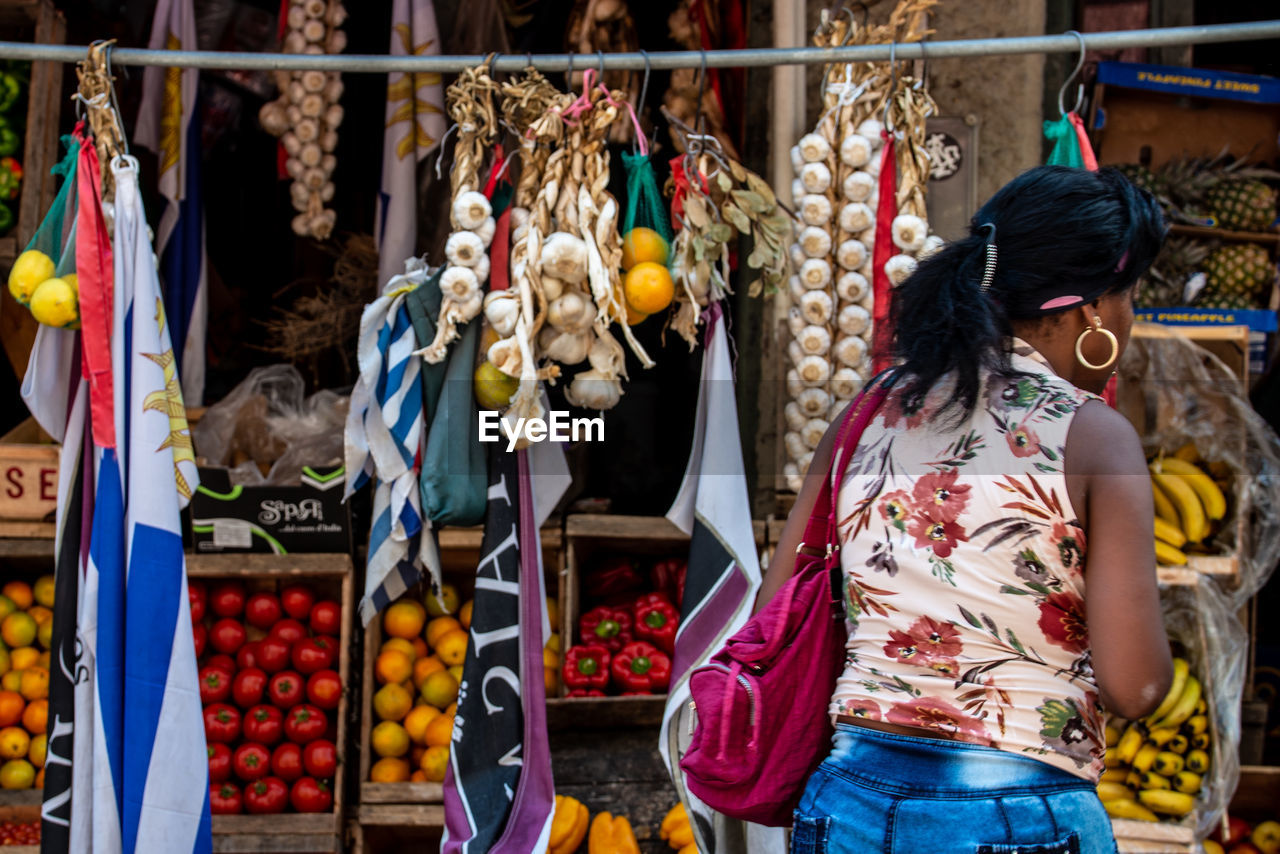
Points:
x=795 y=288
x=814 y=370
x=805 y=462
x=564 y=256
x=459 y=283
x=858 y=186
x=792 y=476
x=932 y=244
x=470 y=210
x=867 y=237
x=870 y=130
x=850 y=350
x=855 y=150
x=838 y=404
x=464 y=248
x=816 y=177
x=813 y=402
x=797 y=159
x=867 y=270
x=813 y=431
x=845 y=384
x=815 y=209
x=794 y=416
x=794 y=385
x=594 y=389
x=502 y=310
x=552 y=288
x=899 y=268
x=815 y=273
x=572 y=312
x=815 y=242
x=505 y=356
x=817 y=308
x=795 y=353
x=851 y=287
x=795 y=444
x=851 y=254
x=795 y=320
x=873 y=167
x=909 y=232
x=797 y=188
x=814 y=340
x=567 y=348
x=797 y=256
x=814 y=148
x=855 y=217
x=486 y=231
x=482 y=269
x=853 y=320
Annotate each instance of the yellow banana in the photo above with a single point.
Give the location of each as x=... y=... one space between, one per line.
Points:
x=1187 y=453
x=1167 y=764
x=1179 y=684
x=1146 y=758
x=1164 y=507
x=1129 y=743
x=1179 y=744
x=1190 y=510
x=1200 y=741
x=1201 y=708
x=1152 y=780
x=1186 y=781
x=1129 y=809
x=1197 y=761
x=1112 y=734
x=1198 y=724
x=1162 y=735
x=1167 y=555
x=1184 y=707
x=1116 y=774
x=1170 y=533
x=1133 y=780
x=1114 y=792
x=1215 y=503
x=1167 y=801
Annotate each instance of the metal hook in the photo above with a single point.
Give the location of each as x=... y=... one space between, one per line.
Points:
x=644 y=92
x=893 y=81
x=568 y=75
x=1062 y=93
x=493 y=62
x=702 y=88
x=529 y=58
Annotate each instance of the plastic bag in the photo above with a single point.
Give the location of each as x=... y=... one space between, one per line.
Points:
x=455 y=472
x=1066 y=149
x=645 y=208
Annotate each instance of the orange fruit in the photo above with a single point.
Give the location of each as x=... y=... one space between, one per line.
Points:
x=418 y=776
x=393 y=666
x=415 y=723
x=18 y=629
x=6 y=606
x=6 y=663
x=553 y=642
x=44 y=660
x=633 y=316
x=435 y=762
x=37 y=750
x=39 y=784
x=40 y=614
x=551 y=679
x=401 y=645
x=14 y=742
x=553 y=614
x=11 y=708
x=452 y=647
x=439 y=731
x=648 y=287
x=24 y=657
x=452 y=710
x=36 y=717
x=415 y=756
x=446 y=603
x=644 y=244
x=404 y=619
x=44 y=634
x=392 y=702
x=550 y=658
x=464 y=615
x=440 y=689
x=424 y=667
x=386 y=770
x=420 y=649
x=456 y=673
x=17 y=774
x=388 y=739
x=43 y=591
x=21 y=594
x=35 y=683
x=11 y=681
x=438 y=628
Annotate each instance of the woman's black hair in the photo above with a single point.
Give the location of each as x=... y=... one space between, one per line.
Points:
x=1064 y=237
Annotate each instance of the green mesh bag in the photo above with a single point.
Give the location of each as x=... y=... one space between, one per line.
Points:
x=1066 y=148
x=55 y=238
x=645 y=207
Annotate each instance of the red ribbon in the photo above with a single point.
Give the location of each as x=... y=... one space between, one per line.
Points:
x=500 y=248
x=886 y=210
x=1086 y=150
x=94 y=274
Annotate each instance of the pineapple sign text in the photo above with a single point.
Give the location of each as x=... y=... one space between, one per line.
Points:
x=28 y=482
x=558 y=426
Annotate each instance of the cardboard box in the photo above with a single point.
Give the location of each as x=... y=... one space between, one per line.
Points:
x=309 y=517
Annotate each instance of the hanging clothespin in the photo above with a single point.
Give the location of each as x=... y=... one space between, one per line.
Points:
x=97 y=96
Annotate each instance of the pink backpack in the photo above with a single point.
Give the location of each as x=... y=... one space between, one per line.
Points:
x=761 y=701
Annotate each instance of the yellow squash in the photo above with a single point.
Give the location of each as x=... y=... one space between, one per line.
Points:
x=611 y=835
x=676 y=830
x=568 y=826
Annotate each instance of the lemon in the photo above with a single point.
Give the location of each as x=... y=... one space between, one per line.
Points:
x=31 y=269
x=54 y=303
x=493 y=388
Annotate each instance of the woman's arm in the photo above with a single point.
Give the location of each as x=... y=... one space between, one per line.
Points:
x=1110 y=488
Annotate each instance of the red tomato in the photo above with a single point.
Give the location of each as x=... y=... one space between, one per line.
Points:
x=289 y=631
x=219 y=762
x=272 y=654
x=265 y=796
x=305 y=723
x=224 y=799
x=227 y=636
x=227 y=599
x=252 y=761
x=200 y=635
x=286 y=762
x=297 y=599
x=326 y=617
x=221 y=723
x=310 y=795
x=285 y=689
x=324 y=689
x=264 y=724
x=225 y=663
x=198 y=599
x=248 y=687
x=312 y=654
x=247 y=657
x=320 y=758
x=262 y=610
x=215 y=685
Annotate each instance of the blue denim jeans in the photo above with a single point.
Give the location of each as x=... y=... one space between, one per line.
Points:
x=899 y=794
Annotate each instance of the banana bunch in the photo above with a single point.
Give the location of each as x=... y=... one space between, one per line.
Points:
x=1187 y=502
x=1155 y=765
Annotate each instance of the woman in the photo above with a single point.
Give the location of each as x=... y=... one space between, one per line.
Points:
x=990 y=486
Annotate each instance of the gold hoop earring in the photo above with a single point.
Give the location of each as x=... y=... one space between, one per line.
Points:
x=1106 y=333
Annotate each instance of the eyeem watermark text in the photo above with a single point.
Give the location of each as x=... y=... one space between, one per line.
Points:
x=556 y=427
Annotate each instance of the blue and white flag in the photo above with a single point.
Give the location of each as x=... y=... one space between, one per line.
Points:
x=714 y=509
x=169 y=124
x=149 y=760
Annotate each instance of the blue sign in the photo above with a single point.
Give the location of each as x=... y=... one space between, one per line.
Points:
x=1175 y=80
x=1258 y=320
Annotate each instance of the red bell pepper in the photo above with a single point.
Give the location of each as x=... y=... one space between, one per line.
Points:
x=586 y=666
x=641 y=668
x=667 y=576
x=656 y=621
x=585 y=692
x=616 y=575
x=609 y=627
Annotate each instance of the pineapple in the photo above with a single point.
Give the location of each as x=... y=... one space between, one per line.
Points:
x=1165 y=282
x=1242 y=203
x=1141 y=176
x=1239 y=275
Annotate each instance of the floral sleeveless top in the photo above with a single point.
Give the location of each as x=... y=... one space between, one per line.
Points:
x=964 y=568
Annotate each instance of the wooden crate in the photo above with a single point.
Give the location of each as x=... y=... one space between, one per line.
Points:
x=1153 y=837
x=291 y=832
x=20 y=807
x=28 y=482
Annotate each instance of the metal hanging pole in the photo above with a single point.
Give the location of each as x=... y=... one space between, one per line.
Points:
x=750 y=57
